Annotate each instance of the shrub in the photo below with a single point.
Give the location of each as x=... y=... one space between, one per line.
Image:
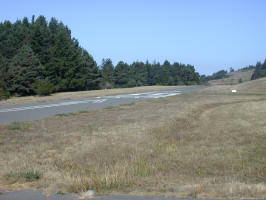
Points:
x=4 y=94
x=17 y=126
x=44 y=87
x=28 y=176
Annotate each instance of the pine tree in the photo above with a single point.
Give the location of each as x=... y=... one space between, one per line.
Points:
x=122 y=75
x=140 y=73
x=89 y=74
x=23 y=70
x=107 y=71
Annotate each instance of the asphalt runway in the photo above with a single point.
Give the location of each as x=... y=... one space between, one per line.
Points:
x=38 y=195
x=35 y=111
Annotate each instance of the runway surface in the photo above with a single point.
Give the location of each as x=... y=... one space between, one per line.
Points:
x=35 y=111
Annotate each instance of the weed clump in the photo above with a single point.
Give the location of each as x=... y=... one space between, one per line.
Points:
x=27 y=176
x=17 y=126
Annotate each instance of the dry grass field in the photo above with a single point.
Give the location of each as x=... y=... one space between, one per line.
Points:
x=193 y=145
x=257 y=86
x=82 y=94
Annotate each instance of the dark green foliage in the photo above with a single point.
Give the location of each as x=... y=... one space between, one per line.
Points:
x=26 y=47
x=140 y=74
x=260 y=70
x=43 y=87
x=24 y=68
x=107 y=71
x=28 y=176
x=4 y=94
x=123 y=76
x=41 y=57
x=217 y=75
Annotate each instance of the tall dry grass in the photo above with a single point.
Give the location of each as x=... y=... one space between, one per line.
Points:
x=185 y=146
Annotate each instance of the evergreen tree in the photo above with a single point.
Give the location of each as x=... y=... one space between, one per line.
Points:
x=165 y=75
x=23 y=70
x=122 y=75
x=89 y=74
x=140 y=73
x=107 y=71
x=40 y=39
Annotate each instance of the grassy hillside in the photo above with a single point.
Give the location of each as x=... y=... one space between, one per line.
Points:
x=234 y=78
x=257 y=86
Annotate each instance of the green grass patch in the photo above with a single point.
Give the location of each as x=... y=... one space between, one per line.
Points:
x=109 y=107
x=27 y=176
x=143 y=168
x=18 y=126
x=119 y=106
x=71 y=114
x=66 y=114
x=83 y=111
x=60 y=193
x=128 y=104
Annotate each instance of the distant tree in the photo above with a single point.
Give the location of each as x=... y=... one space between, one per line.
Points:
x=165 y=75
x=122 y=75
x=231 y=69
x=107 y=71
x=140 y=73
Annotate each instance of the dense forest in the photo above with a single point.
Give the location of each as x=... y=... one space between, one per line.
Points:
x=41 y=57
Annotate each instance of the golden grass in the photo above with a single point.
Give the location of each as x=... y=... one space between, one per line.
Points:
x=257 y=86
x=82 y=94
x=184 y=146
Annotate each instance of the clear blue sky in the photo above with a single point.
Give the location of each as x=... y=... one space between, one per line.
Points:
x=209 y=34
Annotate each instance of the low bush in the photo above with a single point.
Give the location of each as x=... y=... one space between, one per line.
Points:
x=44 y=87
x=17 y=126
x=27 y=176
x=4 y=94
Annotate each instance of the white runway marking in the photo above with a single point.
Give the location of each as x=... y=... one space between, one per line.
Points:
x=166 y=95
x=147 y=95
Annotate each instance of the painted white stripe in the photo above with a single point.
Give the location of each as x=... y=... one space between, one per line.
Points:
x=97 y=100
x=166 y=95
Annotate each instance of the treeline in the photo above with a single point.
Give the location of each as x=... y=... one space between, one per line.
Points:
x=37 y=56
x=142 y=74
